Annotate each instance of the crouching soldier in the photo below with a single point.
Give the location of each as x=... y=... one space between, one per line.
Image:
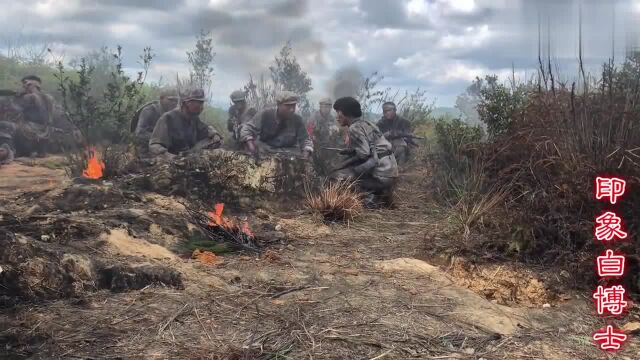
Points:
x=371 y=162
x=7 y=149
x=146 y=118
x=239 y=113
x=277 y=129
x=181 y=130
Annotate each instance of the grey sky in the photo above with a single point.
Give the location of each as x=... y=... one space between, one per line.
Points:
x=438 y=45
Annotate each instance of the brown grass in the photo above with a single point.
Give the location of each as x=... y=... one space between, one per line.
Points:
x=336 y=202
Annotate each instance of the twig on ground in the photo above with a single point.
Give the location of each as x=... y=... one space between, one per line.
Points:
x=172 y=318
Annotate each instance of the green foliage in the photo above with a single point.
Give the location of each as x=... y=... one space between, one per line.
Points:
x=201 y=60
x=104 y=117
x=452 y=137
x=287 y=74
x=12 y=70
x=499 y=104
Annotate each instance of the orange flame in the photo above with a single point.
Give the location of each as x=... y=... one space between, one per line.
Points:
x=216 y=219
x=94 y=166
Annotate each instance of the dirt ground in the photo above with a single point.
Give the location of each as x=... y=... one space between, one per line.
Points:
x=96 y=272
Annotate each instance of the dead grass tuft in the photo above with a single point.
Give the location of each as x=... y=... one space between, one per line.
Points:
x=336 y=202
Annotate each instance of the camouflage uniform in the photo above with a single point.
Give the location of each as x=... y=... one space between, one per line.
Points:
x=393 y=128
x=375 y=173
x=277 y=135
x=34 y=129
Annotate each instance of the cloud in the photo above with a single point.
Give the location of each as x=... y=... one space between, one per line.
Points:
x=438 y=45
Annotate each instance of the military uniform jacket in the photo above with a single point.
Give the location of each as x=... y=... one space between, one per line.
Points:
x=268 y=128
x=149 y=115
x=361 y=135
x=175 y=132
x=321 y=129
x=36 y=107
x=236 y=117
x=395 y=127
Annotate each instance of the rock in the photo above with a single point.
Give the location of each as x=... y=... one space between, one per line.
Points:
x=469 y=351
x=278 y=227
x=546 y=306
x=632 y=327
x=290 y=247
x=45 y=238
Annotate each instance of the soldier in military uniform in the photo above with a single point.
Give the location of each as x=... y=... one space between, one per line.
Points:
x=181 y=130
x=7 y=149
x=239 y=113
x=371 y=162
x=277 y=129
x=33 y=131
x=394 y=128
x=147 y=116
x=321 y=126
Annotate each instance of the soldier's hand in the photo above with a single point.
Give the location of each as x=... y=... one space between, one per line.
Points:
x=217 y=139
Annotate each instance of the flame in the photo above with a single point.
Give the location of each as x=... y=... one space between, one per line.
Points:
x=216 y=219
x=94 y=166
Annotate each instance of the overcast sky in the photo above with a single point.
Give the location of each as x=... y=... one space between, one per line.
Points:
x=438 y=45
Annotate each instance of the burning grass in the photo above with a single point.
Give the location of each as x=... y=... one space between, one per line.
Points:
x=220 y=230
x=336 y=202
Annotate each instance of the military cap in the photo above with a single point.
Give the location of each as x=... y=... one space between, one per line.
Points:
x=193 y=94
x=286 y=97
x=238 y=95
x=326 y=101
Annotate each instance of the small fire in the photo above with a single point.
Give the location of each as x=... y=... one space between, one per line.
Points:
x=94 y=166
x=216 y=219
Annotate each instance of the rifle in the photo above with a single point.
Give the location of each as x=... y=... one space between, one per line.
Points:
x=405 y=136
x=4 y=92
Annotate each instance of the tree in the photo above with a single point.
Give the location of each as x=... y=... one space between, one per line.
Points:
x=201 y=61
x=287 y=74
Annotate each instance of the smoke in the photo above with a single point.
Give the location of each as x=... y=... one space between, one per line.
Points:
x=347 y=81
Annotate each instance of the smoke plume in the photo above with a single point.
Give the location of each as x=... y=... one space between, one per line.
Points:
x=347 y=81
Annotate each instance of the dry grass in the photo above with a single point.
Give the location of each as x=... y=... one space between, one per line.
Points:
x=336 y=202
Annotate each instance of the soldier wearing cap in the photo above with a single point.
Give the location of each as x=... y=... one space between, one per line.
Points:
x=322 y=125
x=239 y=113
x=33 y=133
x=147 y=116
x=277 y=129
x=181 y=130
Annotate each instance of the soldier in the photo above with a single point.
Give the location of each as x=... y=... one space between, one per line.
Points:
x=147 y=116
x=181 y=129
x=371 y=161
x=239 y=113
x=277 y=129
x=34 y=131
x=322 y=125
x=395 y=128
x=7 y=150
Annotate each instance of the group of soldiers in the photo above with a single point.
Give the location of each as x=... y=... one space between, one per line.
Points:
x=171 y=126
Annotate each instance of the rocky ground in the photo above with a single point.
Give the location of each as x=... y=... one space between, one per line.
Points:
x=94 y=270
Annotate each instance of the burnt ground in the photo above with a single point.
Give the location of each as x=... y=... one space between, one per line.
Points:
x=92 y=271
